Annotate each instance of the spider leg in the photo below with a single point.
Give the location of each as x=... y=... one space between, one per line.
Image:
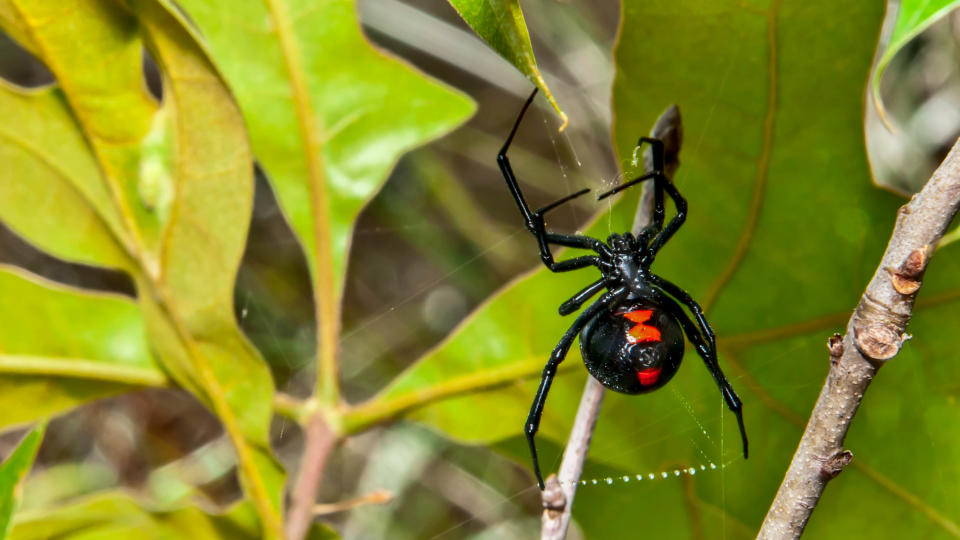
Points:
x=709 y=355
x=675 y=223
x=577 y=300
x=579 y=241
x=575 y=263
x=534 y=220
x=658 y=211
x=550 y=370
x=544 y=239
x=507 y=170
x=663 y=184
x=657 y=150
x=658 y=177
x=691 y=304
x=659 y=159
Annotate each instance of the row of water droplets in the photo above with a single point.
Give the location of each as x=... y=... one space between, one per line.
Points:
x=610 y=480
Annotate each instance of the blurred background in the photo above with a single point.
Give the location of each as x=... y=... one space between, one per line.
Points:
x=441 y=237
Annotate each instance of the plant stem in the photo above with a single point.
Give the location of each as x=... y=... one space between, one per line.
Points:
x=874 y=335
x=319 y=441
x=561 y=489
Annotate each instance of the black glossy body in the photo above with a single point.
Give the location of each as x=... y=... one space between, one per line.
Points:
x=632 y=336
x=625 y=364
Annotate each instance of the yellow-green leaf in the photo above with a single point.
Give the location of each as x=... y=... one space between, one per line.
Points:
x=61 y=347
x=202 y=246
x=116 y=515
x=500 y=23
x=115 y=123
x=51 y=178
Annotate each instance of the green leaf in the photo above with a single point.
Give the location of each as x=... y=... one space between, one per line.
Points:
x=783 y=233
x=113 y=128
x=326 y=127
x=12 y=473
x=500 y=23
x=115 y=514
x=913 y=17
x=61 y=347
x=175 y=192
x=66 y=480
x=40 y=143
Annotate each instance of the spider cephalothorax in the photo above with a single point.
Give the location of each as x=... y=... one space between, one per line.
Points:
x=632 y=337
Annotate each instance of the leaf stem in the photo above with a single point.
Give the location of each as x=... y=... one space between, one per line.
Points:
x=254 y=485
x=874 y=335
x=290 y=407
x=380 y=496
x=326 y=299
x=319 y=438
x=319 y=442
x=379 y=410
x=81 y=368
x=763 y=164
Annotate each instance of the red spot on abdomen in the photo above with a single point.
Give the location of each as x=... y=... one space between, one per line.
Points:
x=642 y=332
x=648 y=376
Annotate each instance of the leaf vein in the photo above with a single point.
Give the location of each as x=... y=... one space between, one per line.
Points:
x=763 y=165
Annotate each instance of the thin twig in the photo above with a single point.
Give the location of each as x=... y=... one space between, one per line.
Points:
x=380 y=496
x=558 y=495
x=319 y=441
x=874 y=335
x=559 y=492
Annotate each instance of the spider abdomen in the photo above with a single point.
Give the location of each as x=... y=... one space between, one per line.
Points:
x=633 y=348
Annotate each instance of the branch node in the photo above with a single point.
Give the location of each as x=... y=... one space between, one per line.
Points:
x=553 y=499
x=903 y=285
x=878 y=341
x=906 y=278
x=915 y=263
x=835 y=346
x=833 y=465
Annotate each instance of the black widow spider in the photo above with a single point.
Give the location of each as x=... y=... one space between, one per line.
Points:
x=631 y=339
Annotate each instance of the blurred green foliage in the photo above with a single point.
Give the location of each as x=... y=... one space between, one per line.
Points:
x=913 y=17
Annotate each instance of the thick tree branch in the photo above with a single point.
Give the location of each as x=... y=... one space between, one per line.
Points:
x=559 y=492
x=874 y=335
